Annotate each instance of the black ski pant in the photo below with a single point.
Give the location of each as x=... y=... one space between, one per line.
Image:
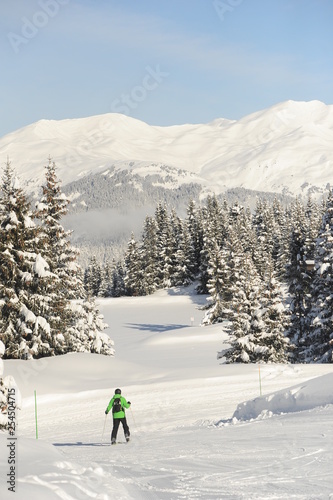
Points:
x=116 y=423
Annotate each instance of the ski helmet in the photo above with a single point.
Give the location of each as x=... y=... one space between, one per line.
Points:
x=117 y=391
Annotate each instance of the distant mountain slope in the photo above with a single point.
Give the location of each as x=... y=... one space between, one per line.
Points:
x=286 y=148
x=115 y=168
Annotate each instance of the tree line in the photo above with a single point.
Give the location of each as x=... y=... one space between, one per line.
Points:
x=268 y=273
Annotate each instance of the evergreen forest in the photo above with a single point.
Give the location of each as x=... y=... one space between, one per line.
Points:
x=268 y=273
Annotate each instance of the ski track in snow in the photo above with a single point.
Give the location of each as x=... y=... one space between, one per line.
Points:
x=185 y=443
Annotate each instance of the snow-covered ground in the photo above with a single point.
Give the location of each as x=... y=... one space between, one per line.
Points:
x=193 y=436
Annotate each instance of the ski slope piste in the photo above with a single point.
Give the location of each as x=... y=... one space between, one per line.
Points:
x=200 y=429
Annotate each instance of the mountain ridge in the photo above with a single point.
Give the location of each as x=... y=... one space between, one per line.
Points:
x=287 y=148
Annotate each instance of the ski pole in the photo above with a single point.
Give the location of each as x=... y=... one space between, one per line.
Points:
x=104 y=426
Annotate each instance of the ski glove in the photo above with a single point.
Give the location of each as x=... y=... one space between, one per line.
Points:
x=129 y=402
x=106 y=412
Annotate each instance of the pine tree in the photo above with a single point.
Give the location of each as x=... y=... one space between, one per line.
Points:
x=224 y=271
x=24 y=277
x=299 y=288
x=275 y=316
x=195 y=231
x=215 y=285
x=245 y=315
x=215 y=219
x=208 y=239
x=60 y=255
x=133 y=269
x=82 y=328
x=319 y=344
x=258 y=317
x=183 y=260
x=264 y=225
x=283 y=256
x=164 y=246
x=38 y=314
x=85 y=331
x=93 y=277
x=149 y=257
x=118 y=286
x=106 y=279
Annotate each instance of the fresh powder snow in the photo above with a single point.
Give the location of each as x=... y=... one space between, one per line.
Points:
x=200 y=429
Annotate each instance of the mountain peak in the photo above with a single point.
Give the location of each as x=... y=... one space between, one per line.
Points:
x=282 y=147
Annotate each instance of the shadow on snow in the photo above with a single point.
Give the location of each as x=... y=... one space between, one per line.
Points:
x=80 y=443
x=148 y=327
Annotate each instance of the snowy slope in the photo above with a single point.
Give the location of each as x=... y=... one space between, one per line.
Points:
x=286 y=147
x=192 y=435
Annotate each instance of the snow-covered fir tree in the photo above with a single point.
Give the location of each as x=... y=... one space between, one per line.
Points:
x=106 y=281
x=118 y=273
x=319 y=343
x=60 y=255
x=299 y=289
x=215 y=285
x=275 y=316
x=258 y=317
x=277 y=237
x=24 y=277
x=207 y=239
x=195 y=231
x=39 y=278
x=263 y=222
x=246 y=325
x=85 y=333
x=82 y=328
x=223 y=268
x=165 y=247
x=183 y=258
x=133 y=269
x=149 y=257
x=92 y=277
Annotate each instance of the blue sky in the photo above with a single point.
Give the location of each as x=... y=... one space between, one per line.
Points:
x=162 y=61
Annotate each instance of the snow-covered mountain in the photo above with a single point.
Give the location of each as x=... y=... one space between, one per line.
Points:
x=285 y=148
x=115 y=169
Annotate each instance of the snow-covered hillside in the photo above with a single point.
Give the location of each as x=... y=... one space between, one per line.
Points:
x=192 y=435
x=287 y=147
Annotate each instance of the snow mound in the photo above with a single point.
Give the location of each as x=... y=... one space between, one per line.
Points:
x=306 y=396
x=39 y=461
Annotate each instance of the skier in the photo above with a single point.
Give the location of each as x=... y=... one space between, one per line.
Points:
x=118 y=404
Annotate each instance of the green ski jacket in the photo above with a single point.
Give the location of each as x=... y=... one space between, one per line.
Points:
x=124 y=404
